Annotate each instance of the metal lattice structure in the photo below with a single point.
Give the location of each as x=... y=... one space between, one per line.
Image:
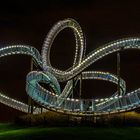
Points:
x=60 y=101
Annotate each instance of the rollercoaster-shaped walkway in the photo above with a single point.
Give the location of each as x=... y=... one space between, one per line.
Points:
x=58 y=100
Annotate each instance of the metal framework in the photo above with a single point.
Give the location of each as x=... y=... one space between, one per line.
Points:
x=60 y=101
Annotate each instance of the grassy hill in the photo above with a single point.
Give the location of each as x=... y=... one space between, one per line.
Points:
x=15 y=132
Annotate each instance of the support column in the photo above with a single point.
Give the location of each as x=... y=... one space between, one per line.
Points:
x=29 y=104
x=72 y=106
x=41 y=110
x=73 y=86
x=118 y=72
x=80 y=94
x=81 y=105
x=32 y=106
x=80 y=87
x=93 y=105
x=30 y=101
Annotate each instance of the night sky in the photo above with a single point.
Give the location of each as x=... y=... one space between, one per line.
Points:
x=103 y=21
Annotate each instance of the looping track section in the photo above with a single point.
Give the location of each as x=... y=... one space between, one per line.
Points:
x=60 y=101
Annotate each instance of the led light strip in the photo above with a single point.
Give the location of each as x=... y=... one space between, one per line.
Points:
x=59 y=101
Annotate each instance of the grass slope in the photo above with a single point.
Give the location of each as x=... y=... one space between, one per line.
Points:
x=14 y=132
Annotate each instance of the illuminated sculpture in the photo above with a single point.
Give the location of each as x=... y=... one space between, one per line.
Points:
x=58 y=100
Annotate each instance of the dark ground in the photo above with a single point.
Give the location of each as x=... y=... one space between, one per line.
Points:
x=14 y=132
